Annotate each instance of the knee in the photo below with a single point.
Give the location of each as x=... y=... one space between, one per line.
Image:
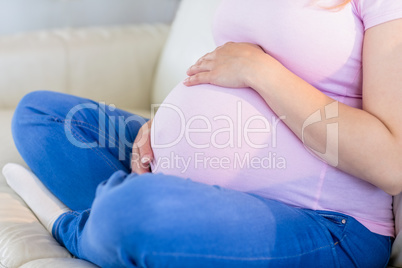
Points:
x=32 y=104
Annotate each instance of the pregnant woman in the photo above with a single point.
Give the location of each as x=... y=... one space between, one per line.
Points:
x=282 y=148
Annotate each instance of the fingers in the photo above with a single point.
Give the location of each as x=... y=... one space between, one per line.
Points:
x=136 y=165
x=199 y=78
x=199 y=72
x=208 y=56
x=202 y=65
x=142 y=154
x=146 y=152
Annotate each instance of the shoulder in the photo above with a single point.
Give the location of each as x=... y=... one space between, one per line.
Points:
x=374 y=12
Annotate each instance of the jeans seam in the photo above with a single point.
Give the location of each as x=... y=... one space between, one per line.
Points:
x=345 y=235
x=58 y=221
x=87 y=211
x=79 y=237
x=115 y=142
x=340 y=241
x=388 y=249
x=103 y=136
x=260 y=258
x=89 y=126
x=240 y=258
x=95 y=130
x=98 y=152
x=82 y=139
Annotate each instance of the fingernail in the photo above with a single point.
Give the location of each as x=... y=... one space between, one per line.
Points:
x=145 y=159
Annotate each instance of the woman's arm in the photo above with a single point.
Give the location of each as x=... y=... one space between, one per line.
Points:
x=365 y=143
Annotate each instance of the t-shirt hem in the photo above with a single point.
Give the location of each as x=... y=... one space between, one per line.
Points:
x=381 y=229
x=371 y=22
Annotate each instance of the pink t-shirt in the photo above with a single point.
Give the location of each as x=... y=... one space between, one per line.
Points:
x=230 y=137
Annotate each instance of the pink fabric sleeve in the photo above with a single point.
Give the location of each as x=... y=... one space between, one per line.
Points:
x=374 y=12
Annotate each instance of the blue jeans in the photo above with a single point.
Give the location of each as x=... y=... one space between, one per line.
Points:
x=155 y=220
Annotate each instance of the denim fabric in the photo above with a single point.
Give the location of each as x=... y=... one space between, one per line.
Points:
x=71 y=172
x=155 y=220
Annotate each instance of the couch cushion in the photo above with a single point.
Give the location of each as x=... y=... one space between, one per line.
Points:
x=8 y=152
x=22 y=237
x=189 y=39
x=59 y=263
x=114 y=64
x=28 y=62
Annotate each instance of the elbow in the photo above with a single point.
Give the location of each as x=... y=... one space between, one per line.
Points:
x=395 y=170
x=393 y=191
x=389 y=174
x=394 y=185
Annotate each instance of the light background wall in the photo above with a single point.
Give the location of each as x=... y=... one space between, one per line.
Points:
x=30 y=15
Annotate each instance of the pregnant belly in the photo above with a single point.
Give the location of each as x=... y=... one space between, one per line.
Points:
x=231 y=138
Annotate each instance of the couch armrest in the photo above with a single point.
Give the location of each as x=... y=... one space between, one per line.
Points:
x=112 y=64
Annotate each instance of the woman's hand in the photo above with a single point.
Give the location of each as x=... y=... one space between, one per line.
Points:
x=142 y=154
x=231 y=65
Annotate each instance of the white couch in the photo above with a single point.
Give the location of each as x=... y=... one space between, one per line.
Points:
x=130 y=67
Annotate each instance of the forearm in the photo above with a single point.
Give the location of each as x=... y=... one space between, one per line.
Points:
x=360 y=144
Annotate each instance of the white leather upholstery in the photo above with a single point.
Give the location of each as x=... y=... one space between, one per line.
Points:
x=22 y=237
x=189 y=39
x=115 y=65
x=106 y=64
x=8 y=152
x=28 y=62
x=58 y=263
